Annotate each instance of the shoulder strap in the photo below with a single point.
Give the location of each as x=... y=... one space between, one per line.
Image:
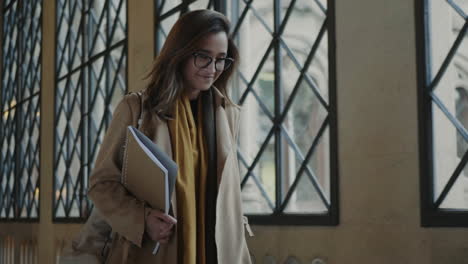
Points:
x=140 y=116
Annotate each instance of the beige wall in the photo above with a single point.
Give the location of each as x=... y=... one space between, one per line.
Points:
x=378 y=151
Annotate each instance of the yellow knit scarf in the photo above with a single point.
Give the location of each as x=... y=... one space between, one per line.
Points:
x=189 y=149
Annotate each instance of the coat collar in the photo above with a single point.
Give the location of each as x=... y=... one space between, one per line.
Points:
x=220 y=99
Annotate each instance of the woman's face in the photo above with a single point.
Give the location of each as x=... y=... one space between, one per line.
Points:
x=196 y=78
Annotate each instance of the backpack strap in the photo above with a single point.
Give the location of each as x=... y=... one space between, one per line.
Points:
x=140 y=116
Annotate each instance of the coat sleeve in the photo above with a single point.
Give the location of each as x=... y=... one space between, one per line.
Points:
x=120 y=209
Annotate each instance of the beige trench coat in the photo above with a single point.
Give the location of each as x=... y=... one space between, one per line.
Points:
x=125 y=214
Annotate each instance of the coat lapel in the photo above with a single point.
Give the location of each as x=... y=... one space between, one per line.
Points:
x=227 y=117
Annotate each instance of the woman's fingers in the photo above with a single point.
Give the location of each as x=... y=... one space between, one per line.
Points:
x=164 y=217
x=160 y=226
x=169 y=219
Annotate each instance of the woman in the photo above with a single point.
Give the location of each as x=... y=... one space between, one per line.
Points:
x=187 y=112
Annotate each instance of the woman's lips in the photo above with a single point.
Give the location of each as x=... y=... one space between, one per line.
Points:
x=207 y=78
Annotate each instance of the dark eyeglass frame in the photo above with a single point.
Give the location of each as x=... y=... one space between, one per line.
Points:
x=227 y=61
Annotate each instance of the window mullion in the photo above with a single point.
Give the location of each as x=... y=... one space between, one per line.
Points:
x=278 y=106
x=18 y=112
x=220 y=6
x=85 y=77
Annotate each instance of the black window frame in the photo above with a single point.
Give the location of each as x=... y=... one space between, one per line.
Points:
x=85 y=158
x=18 y=195
x=332 y=217
x=431 y=215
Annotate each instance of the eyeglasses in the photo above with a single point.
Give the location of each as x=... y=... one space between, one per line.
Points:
x=202 y=61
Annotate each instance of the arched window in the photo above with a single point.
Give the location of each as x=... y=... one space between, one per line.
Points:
x=91 y=67
x=20 y=109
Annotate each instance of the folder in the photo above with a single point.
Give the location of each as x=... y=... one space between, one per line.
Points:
x=148 y=172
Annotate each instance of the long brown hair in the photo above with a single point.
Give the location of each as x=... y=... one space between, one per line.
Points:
x=165 y=78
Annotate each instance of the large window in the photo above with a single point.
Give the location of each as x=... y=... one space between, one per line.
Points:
x=285 y=83
x=168 y=11
x=20 y=109
x=443 y=101
x=287 y=142
x=91 y=61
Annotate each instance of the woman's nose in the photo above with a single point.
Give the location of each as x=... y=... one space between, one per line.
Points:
x=211 y=67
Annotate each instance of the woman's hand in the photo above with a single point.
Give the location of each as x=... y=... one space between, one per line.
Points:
x=159 y=226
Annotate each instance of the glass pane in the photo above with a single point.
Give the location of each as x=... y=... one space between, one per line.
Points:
x=318 y=73
x=264 y=87
x=305 y=199
x=451 y=89
x=256 y=198
x=290 y=72
x=265 y=169
x=28 y=150
x=165 y=24
x=97 y=25
x=457 y=198
x=444 y=149
x=254 y=129
x=306 y=15
x=8 y=160
x=168 y=5
x=253 y=37
x=262 y=12
x=118 y=18
x=304 y=118
x=163 y=30
x=252 y=40
x=443 y=28
x=60 y=176
x=320 y=163
x=60 y=210
x=461 y=110
x=21 y=78
x=31 y=42
x=69 y=38
x=199 y=4
x=103 y=101
x=85 y=99
x=462 y=4
x=7 y=2
x=449 y=145
x=10 y=58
